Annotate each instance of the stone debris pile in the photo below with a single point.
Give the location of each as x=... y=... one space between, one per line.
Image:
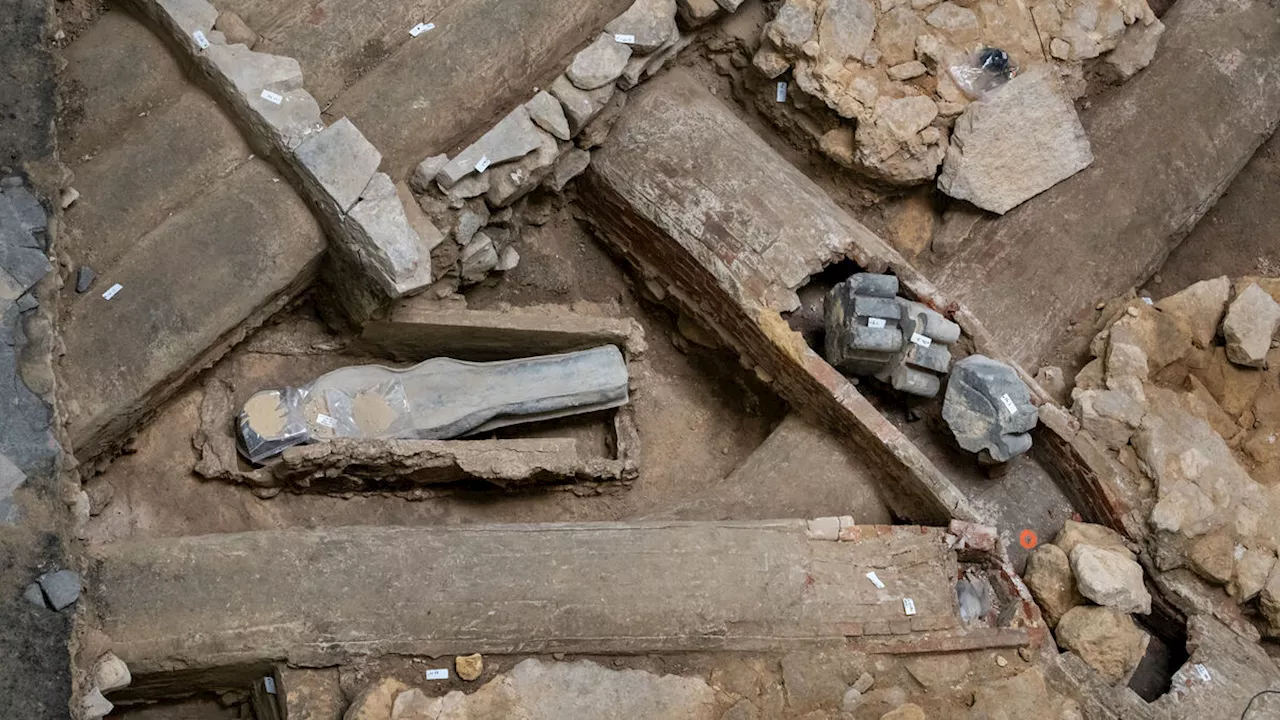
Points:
x=1185 y=396
x=988 y=408
x=1087 y=583
x=893 y=73
x=871 y=331
x=484 y=194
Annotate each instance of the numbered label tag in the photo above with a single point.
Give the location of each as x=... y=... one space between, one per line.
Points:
x=269 y=683
x=273 y=98
x=921 y=340
x=875 y=322
x=781 y=94
x=202 y=42
x=909 y=606
x=326 y=421
x=483 y=163
x=420 y=28
x=875 y=580
x=625 y=39
x=1202 y=671
x=438 y=674
x=111 y=291
x=1008 y=403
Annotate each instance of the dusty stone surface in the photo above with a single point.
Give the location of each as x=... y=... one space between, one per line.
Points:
x=469 y=667
x=599 y=64
x=910 y=711
x=1199 y=308
x=424 y=174
x=568 y=166
x=580 y=106
x=1250 y=325
x=1110 y=579
x=110 y=673
x=548 y=114
x=235 y=29
x=511 y=181
x=1048 y=576
x=1075 y=533
x=375 y=701
x=1020 y=141
x=1134 y=51
x=1105 y=638
x=1110 y=415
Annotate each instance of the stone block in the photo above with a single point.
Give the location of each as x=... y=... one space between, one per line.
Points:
x=651 y=22
x=696 y=13
x=339 y=161
x=599 y=64
x=988 y=407
x=1199 y=308
x=1105 y=638
x=511 y=181
x=61 y=588
x=1048 y=576
x=580 y=106
x=1020 y=141
x=1110 y=579
x=569 y=165
x=385 y=242
x=1250 y=325
x=513 y=137
x=547 y=113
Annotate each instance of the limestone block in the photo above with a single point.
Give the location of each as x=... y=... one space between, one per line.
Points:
x=579 y=105
x=1105 y=638
x=651 y=22
x=340 y=162
x=1250 y=325
x=599 y=64
x=1048 y=576
x=386 y=242
x=547 y=113
x=1110 y=579
x=513 y=137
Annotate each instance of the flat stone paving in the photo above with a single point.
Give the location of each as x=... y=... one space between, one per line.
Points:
x=316 y=597
x=204 y=239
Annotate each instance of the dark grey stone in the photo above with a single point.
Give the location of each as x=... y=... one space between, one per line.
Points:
x=878 y=307
x=25 y=437
x=885 y=339
x=977 y=408
x=935 y=358
x=61 y=588
x=872 y=284
x=84 y=278
x=27 y=302
x=27 y=209
x=34 y=595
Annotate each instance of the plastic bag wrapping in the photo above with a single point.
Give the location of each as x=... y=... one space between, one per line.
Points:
x=381 y=411
x=986 y=70
x=272 y=421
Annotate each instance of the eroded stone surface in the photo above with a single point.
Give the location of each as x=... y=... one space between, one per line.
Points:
x=1250 y=325
x=988 y=408
x=1105 y=638
x=548 y=114
x=391 y=250
x=599 y=64
x=1200 y=308
x=1048 y=576
x=579 y=105
x=1020 y=141
x=513 y=137
x=340 y=161
x=651 y=22
x=1110 y=578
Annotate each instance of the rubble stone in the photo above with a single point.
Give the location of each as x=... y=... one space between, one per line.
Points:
x=599 y=64
x=425 y=172
x=95 y=705
x=1109 y=578
x=1269 y=603
x=910 y=711
x=907 y=70
x=340 y=161
x=651 y=22
x=1250 y=325
x=110 y=673
x=548 y=114
x=1252 y=571
x=386 y=242
x=846 y=29
x=478 y=258
x=511 y=181
x=1112 y=416
x=1051 y=379
x=1212 y=556
x=1048 y=576
x=413 y=704
x=1199 y=308
x=1105 y=638
x=890 y=145
x=794 y=24
x=960 y=23
x=1160 y=337
x=579 y=105
x=568 y=166
x=1014 y=145
x=987 y=407
x=770 y=62
x=1134 y=51
x=697 y=12
x=513 y=137
x=469 y=667
x=1075 y=533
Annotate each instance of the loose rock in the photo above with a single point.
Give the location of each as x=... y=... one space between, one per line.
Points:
x=1048 y=576
x=569 y=165
x=1249 y=326
x=1105 y=638
x=61 y=588
x=478 y=257
x=339 y=161
x=425 y=173
x=96 y=706
x=508 y=259
x=1269 y=603
x=846 y=29
x=548 y=114
x=1134 y=52
x=1212 y=556
x=34 y=595
x=84 y=278
x=651 y=22
x=1109 y=578
x=1075 y=533
x=1252 y=571
x=110 y=673
x=469 y=667
x=599 y=64
x=579 y=105
x=1199 y=308
x=1022 y=140
x=376 y=701
x=513 y=137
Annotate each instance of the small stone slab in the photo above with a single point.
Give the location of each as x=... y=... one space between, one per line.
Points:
x=61 y=588
x=548 y=114
x=599 y=64
x=989 y=408
x=580 y=106
x=651 y=24
x=513 y=137
x=340 y=161
x=1020 y=141
x=514 y=180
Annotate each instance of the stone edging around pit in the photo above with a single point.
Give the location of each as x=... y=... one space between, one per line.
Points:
x=373 y=229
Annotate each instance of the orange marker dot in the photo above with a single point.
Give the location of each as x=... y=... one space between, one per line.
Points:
x=1028 y=539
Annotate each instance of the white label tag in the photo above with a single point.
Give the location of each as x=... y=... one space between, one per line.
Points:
x=921 y=340
x=438 y=674
x=909 y=606
x=1202 y=671
x=271 y=97
x=420 y=28
x=202 y=42
x=326 y=421
x=1148 y=300
x=1008 y=403
x=111 y=291
x=270 y=684
x=875 y=322
x=875 y=580
x=781 y=95
x=625 y=39
x=483 y=163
